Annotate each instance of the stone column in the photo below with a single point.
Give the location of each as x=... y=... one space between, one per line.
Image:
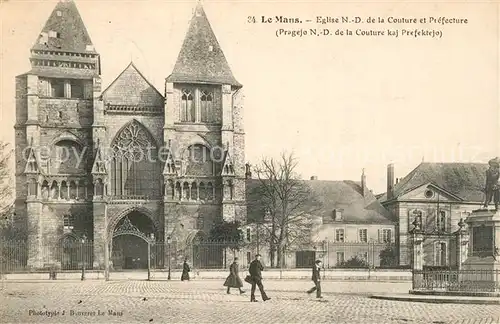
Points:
x=462 y=244
x=100 y=231
x=417 y=239
x=35 y=239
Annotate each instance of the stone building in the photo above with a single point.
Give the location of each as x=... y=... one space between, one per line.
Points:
x=345 y=221
x=92 y=162
x=439 y=195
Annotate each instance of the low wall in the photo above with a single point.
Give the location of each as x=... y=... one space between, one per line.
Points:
x=297 y=274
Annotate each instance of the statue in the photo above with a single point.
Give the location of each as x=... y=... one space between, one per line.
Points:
x=492 y=186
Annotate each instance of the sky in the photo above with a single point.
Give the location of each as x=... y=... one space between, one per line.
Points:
x=339 y=103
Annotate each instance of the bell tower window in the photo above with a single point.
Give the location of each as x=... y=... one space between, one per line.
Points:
x=57 y=88
x=188 y=112
x=206 y=105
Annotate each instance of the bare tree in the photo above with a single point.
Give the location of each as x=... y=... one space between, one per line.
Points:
x=288 y=203
x=5 y=179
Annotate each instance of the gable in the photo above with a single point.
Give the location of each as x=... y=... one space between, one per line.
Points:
x=428 y=192
x=131 y=88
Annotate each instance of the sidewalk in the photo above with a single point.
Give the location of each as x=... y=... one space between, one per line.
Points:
x=439 y=299
x=272 y=274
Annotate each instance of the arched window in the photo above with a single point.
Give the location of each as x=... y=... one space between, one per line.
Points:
x=68 y=158
x=203 y=192
x=178 y=190
x=135 y=169
x=185 y=191
x=45 y=189
x=210 y=191
x=188 y=113
x=81 y=190
x=206 y=106
x=64 y=190
x=54 y=190
x=72 y=190
x=194 y=191
x=170 y=190
x=199 y=161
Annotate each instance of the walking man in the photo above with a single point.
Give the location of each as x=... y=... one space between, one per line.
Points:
x=316 y=278
x=255 y=270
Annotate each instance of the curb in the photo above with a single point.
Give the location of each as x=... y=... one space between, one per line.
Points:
x=433 y=300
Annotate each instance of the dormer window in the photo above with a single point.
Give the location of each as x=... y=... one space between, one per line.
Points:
x=89 y=47
x=53 y=34
x=210 y=48
x=337 y=214
x=59 y=13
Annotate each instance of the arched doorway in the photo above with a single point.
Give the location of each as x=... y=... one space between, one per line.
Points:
x=130 y=239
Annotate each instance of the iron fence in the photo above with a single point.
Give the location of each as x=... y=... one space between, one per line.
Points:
x=15 y=257
x=457 y=280
x=72 y=256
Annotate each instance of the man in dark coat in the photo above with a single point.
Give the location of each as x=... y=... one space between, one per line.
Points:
x=185 y=271
x=316 y=278
x=233 y=280
x=255 y=270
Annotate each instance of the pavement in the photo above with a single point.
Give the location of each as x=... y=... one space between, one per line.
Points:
x=205 y=301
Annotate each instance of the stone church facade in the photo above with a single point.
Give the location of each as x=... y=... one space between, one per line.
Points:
x=91 y=160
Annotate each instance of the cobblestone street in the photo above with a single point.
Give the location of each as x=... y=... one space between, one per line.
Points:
x=207 y=302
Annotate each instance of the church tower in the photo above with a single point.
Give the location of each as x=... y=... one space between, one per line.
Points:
x=204 y=169
x=55 y=104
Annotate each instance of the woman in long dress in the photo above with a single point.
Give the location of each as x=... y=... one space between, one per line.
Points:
x=185 y=271
x=233 y=280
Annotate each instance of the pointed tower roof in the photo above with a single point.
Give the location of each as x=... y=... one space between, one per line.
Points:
x=65 y=31
x=201 y=59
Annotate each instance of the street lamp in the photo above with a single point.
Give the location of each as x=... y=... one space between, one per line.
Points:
x=151 y=241
x=169 y=241
x=83 y=241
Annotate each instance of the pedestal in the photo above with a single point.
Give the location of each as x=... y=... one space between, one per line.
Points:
x=481 y=270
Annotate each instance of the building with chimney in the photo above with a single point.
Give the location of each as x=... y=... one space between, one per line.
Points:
x=127 y=162
x=438 y=195
x=344 y=222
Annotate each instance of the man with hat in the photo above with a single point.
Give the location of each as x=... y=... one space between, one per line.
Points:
x=255 y=270
x=492 y=188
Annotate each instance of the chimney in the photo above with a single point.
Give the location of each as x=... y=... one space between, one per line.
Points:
x=390 y=180
x=248 y=172
x=364 y=190
x=314 y=178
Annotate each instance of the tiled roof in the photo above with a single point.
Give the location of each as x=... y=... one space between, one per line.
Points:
x=330 y=195
x=465 y=180
x=72 y=36
x=201 y=59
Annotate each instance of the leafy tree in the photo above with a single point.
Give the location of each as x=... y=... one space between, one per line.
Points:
x=228 y=234
x=389 y=256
